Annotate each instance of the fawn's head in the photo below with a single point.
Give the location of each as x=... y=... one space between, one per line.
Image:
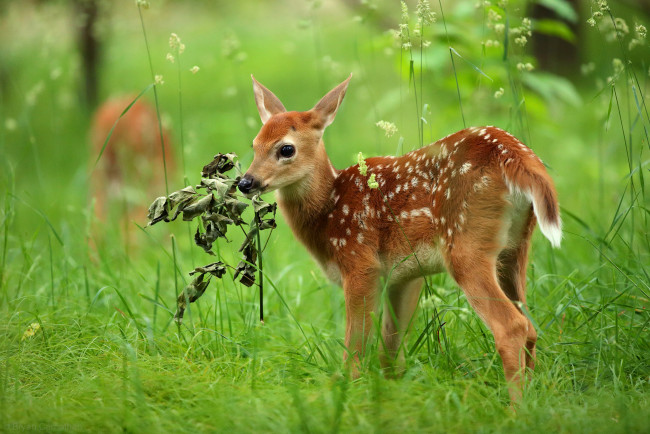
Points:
x=288 y=145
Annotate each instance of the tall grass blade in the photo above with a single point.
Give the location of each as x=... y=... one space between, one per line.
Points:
x=43 y=215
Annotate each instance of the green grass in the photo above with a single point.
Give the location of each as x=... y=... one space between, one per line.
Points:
x=108 y=357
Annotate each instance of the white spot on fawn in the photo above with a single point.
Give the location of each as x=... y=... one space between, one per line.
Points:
x=346 y=209
x=465 y=168
x=360 y=238
x=427 y=212
x=482 y=183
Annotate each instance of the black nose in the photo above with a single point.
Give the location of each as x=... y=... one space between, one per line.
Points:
x=245 y=184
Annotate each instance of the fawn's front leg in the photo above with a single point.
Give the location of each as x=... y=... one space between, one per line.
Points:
x=361 y=295
x=398 y=312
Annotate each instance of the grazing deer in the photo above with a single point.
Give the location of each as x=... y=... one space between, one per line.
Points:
x=467 y=203
x=131 y=166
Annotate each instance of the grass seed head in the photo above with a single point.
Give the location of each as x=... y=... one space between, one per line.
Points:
x=423 y=11
x=388 y=127
x=363 y=167
x=372 y=182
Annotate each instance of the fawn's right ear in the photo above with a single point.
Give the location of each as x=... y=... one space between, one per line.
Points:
x=267 y=103
x=328 y=105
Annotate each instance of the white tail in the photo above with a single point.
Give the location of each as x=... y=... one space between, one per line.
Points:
x=466 y=203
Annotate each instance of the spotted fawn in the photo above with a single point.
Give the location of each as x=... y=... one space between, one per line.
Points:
x=467 y=203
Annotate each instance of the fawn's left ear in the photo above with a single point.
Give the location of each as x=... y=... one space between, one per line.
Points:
x=267 y=103
x=330 y=103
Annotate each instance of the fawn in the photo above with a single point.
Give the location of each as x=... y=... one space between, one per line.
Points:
x=132 y=162
x=467 y=203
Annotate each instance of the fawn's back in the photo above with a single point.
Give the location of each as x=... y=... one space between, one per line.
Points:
x=429 y=197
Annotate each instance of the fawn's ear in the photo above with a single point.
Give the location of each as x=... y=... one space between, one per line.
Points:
x=329 y=104
x=267 y=103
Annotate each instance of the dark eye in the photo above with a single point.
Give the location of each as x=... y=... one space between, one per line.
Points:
x=287 y=151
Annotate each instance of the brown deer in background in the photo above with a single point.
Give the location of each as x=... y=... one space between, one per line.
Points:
x=131 y=168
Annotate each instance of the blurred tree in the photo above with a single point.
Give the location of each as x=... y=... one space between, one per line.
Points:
x=90 y=46
x=555 y=43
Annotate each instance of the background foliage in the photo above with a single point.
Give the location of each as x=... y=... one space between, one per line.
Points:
x=87 y=339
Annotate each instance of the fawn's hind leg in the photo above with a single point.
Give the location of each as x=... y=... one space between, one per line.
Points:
x=475 y=272
x=511 y=271
x=398 y=311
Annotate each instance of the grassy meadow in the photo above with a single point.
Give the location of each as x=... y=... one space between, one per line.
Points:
x=87 y=339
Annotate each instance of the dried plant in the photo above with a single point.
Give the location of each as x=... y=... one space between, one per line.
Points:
x=218 y=208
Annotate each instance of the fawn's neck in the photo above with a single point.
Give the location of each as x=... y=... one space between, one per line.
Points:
x=306 y=204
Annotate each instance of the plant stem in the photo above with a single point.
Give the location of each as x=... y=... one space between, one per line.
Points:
x=260 y=267
x=155 y=95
